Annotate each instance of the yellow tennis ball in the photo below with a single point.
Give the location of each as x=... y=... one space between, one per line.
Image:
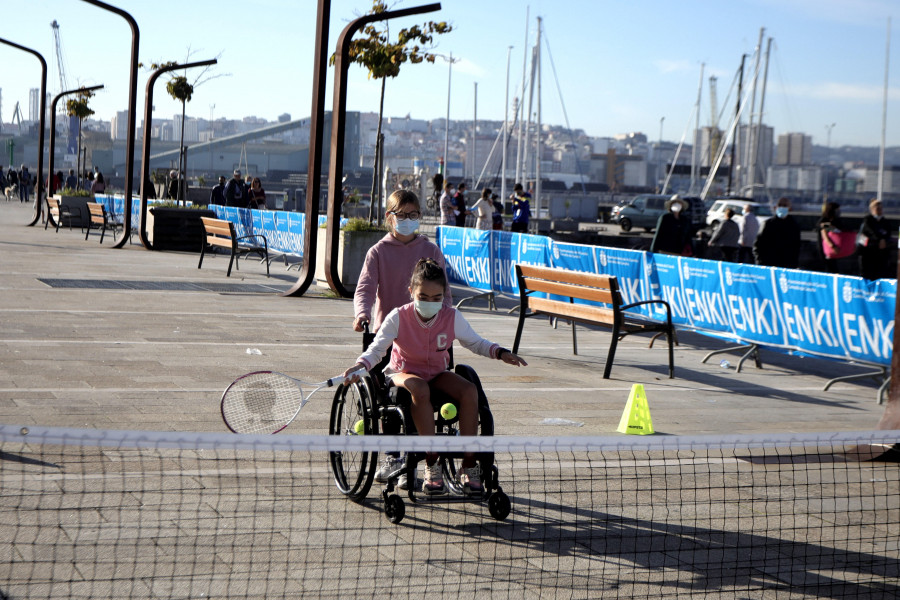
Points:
x=448 y=411
x=360 y=427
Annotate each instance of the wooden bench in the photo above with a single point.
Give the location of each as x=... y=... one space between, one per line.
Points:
x=58 y=211
x=586 y=286
x=100 y=219
x=220 y=233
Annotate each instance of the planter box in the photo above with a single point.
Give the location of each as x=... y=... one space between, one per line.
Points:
x=351 y=254
x=176 y=229
x=80 y=203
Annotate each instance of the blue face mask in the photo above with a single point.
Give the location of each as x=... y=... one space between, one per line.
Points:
x=406 y=227
x=782 y=211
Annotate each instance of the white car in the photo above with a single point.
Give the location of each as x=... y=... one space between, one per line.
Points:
x=716 y=212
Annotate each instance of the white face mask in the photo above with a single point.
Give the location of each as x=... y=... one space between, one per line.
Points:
x=427 y=309
x=406 y=227
x=676 y=208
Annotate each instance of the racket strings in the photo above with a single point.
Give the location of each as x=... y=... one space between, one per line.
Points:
x=262 y=403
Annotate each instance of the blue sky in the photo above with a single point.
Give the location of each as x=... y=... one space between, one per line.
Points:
x=621 y=66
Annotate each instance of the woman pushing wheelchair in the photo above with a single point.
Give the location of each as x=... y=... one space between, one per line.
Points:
x=422 y=333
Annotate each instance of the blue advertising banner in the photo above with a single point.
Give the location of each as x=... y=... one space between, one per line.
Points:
x=865 y=314
x=506 y=252
x=628 y=266
x=750 y=303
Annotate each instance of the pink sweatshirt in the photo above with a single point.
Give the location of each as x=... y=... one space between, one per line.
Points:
x=384 y=280
x=421 y=348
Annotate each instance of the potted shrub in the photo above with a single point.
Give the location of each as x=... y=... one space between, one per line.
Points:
x=76 y=199
x=355 y=239
x=170 y=227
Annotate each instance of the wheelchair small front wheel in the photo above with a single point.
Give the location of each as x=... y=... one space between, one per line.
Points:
x=499 y=505
x=394 y=508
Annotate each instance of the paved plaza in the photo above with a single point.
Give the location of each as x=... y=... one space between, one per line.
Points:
x=98 y=338
x=135 y=339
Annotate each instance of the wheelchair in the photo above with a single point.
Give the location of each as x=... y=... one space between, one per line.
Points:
x=377 y=408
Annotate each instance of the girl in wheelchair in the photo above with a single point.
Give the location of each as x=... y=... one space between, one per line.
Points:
x=422 y=333
x=385 y=273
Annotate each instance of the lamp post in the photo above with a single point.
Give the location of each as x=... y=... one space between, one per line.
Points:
x=145 y=154
x=39 y=186
x=659 y=153
x=447 y=123
x=132 y=108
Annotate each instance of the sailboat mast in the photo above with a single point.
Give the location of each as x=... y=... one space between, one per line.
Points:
x=887 y=60
x=537 y=152
x=520 y=139
x=754 y=151
x=505 y=129
x=695 y=146
x=737 y=114
x=745 y=159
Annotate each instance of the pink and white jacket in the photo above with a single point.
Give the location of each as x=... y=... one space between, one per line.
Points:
x=384 y=281
x=421 y=348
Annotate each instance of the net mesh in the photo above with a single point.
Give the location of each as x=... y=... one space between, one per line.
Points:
x=114 y=514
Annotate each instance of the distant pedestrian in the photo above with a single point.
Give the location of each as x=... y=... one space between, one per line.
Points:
x=99 y=185
x=234 y=191
x=828 y=230
x=749 y=231
x=448 y=208
x=217 y=195
x=459 y=200
x=497 y=215
x=24 y=184
x=482 y=209
x=72 y=180
x=172 y=193
x=521 y=209
x=875 y=244
x=673 y=229
x=257 y=195
x=727 y=236
x=778 y=243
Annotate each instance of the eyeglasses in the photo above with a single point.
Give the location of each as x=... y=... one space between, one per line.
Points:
x=400 y=216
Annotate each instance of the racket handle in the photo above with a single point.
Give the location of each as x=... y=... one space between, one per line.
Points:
x=342 y=378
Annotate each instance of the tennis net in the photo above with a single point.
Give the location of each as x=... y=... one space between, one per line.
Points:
x=136 y=514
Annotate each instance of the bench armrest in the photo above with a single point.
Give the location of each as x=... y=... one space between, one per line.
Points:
x=247 y=237
x=643 y=302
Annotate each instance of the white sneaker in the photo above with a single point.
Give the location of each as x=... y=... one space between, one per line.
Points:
x=389 y=467
x=434 y=480
x=470 y=480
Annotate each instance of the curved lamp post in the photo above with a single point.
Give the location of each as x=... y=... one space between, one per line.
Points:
x=336 y=162
x=51 y=188
x=145 y=153
x=39 y=187
x=132 y=108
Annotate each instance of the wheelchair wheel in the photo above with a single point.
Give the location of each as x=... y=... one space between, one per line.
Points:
x=394 y=508
x=499 y=505
x=354 y=470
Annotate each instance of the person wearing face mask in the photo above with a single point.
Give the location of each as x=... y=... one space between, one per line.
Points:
x=874 y=241
x=673 y=229
x=384 y=280
x=778 y=244
x=419 y=335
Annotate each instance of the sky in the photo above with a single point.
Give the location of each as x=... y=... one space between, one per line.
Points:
x=608 y=67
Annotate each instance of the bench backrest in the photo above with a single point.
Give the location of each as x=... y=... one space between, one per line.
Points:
x=54 y=207
x=219 y=232
x=571 y=284
x=98 y=213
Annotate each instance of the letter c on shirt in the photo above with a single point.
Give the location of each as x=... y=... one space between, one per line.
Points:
x=442 y=341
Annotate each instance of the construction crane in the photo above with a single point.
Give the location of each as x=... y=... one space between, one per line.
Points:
x=60 y=66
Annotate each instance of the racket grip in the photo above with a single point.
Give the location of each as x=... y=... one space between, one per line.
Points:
x=342 y=378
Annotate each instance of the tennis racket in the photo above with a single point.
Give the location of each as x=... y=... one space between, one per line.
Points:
x=267 y=402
